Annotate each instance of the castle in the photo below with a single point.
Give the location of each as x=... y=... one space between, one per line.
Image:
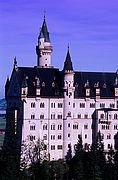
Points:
x=59 y=106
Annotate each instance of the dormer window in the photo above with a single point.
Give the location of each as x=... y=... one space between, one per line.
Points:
x=104 y=85
x=53 y=84
x=43 y=84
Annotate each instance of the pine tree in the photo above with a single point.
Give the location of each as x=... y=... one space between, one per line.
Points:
x=76 y=165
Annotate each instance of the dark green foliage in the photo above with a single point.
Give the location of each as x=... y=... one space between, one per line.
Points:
x=92 y=164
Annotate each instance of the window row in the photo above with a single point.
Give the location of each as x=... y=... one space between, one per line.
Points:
x=105 y=116
x=82 y=105
x=53 y=116
x=53 y=127
x=108 y=136
x=42 y=105
x=58 y=147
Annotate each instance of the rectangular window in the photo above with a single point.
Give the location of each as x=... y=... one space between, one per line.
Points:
x=68 y=135
x=102 y=105
x=73 y=105
x=52 y=116
x=59 y=105
x=32 y=127
x=92 y=105
x=59 y=116
x=52 y=105
x=85 y=136
x=82 y=105
x=115 y=127
x=32 y=116
x=112 y=105
x=52 y=147
x=68 y=124
x=86 y=126
x=59 y=147
x=53 y=127
x=79 y=116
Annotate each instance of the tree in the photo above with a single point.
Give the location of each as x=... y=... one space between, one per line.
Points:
x=76 y=170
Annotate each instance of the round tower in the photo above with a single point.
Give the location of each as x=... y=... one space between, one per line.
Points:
x=68 y=103
x=44 y=48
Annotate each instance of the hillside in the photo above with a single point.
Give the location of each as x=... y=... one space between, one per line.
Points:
x=2 y=104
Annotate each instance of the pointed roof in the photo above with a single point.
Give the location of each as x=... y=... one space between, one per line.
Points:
x=44 y=32
x=68 y=63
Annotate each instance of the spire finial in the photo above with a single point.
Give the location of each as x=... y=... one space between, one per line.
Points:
x=68 y=47
x=44 y=14
x=15 y=62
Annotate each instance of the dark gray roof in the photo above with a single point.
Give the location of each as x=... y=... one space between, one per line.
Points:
x=104 y=79
x=44 y=32
x=50 y=81
x=68 y=63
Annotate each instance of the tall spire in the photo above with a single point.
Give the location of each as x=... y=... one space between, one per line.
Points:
x=44 y=31
x=68 y=63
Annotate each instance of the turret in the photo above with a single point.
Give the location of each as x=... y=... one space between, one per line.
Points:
x=68 y=100
x=44 y=48
x=68 y=85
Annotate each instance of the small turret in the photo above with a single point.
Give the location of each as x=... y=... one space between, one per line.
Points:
x=44 y=48
x=37 y=86
x=116 y=86
x=87 y=89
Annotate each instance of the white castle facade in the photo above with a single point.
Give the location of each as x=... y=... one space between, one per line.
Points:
x=59 y=106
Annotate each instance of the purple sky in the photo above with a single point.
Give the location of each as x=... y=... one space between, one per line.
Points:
x=89 y=26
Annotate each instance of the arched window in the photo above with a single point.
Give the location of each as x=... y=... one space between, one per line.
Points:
x=79 y=116
x=75 y=126
x=60 y=127
x=42 y=116
x=86 y=116
x=32 y=116
x=45 y=127
x=69 y=114
x=42 y=105
x=32 y=126
x=33 y=105
x=108 y=136
x=53 y=116
x=59 y=136
x=52 y=126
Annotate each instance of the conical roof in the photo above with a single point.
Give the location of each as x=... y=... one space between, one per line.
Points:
x=44 y=32
x=68 y=63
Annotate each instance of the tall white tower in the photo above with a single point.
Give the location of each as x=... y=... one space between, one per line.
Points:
x=44 y=48
x=68 y=101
